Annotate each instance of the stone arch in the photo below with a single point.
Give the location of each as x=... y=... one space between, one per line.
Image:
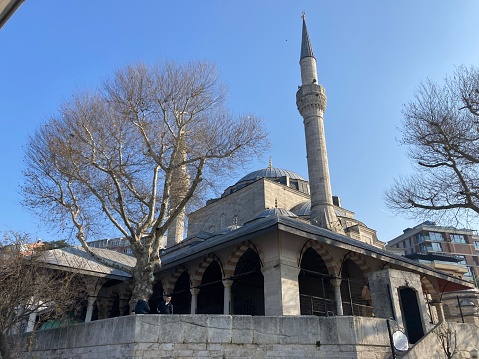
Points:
x=428 y=287
x=200 y=270
x=359 y=260
x=323 y=252
x=179 y=270
x=112 y=299
x=236 y=254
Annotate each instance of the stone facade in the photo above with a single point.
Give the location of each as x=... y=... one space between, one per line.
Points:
x=243 y=205
x=215 y=336
x=385 y=286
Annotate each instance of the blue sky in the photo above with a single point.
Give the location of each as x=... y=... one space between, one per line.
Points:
x=371 y=55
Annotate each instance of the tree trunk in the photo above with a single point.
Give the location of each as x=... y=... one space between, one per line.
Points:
x=143 y=281
x=4 y=347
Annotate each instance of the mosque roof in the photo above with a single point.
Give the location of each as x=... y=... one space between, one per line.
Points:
x=275 y=212
x=299 y=227
x=271 y=172
x=76 y=258
x=303 y=209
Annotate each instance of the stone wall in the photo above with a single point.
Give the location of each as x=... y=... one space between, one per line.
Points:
x=215 y=336
x=466 y=339
x=245 y=205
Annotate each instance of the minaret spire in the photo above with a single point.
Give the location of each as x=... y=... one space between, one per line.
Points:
x=306 y=48
x=311 y=101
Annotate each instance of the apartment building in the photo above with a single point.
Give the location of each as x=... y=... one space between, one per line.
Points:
x=445 y=248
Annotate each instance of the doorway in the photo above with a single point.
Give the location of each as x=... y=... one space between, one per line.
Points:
x=411 y=314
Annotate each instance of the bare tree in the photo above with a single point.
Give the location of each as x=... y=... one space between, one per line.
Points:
x=441 y=129
x=131 y=155
x=27 y=288
x=448 y=340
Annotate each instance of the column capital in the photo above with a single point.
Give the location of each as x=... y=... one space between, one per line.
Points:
x=227 y=283
x=336 y=282
x=91 y=300
x=194 y=291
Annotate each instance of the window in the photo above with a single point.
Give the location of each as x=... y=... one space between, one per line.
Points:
x=430 y=247
x=222 y=221
x=469 y=272
x=235 y=221
x=436 y=247
x=410 y=242
x=457 y=238
x=462 y=260
x=434 y=236
x=419 y=238
x=476 y=244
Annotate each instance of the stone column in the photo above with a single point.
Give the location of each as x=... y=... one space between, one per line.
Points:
x=92 y=288
x=227 y=283
x=439 y=311
x=336 y=282
x=281 y=289
x=89 y=309
x=31 y=322
x=194 y=299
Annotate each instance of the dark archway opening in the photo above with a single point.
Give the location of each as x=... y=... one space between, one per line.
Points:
x=247 y=291
x=315 y=289
x=156 y=298
x=108 y=300
x=211 y=295
x=115 y=306
x=355 y=293
x=411 y=314
x=181 y=296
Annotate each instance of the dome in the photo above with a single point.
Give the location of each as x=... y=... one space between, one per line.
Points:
x=271 y=172
x=275 y=212
x=279 y=175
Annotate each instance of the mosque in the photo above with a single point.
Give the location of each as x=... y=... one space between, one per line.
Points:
x=276 y=244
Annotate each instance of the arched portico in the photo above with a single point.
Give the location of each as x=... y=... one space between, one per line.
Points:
x=316 y=292
x=355 y=293
x=211 y=296
x=179 y=286
x=247 y=290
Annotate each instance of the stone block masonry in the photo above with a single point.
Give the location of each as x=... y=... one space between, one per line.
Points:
x=214 y=336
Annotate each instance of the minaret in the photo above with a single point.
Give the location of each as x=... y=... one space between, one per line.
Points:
x=180 y=183
x=311 y=102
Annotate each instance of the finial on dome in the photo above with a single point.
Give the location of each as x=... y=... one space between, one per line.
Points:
x=303 y=15
x=270 y=162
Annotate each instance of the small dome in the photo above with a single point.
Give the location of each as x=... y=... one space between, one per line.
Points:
x=303 y=209
x=275 y=212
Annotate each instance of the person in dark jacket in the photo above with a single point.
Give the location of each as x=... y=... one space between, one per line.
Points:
x=166 y=307
x=142 y=307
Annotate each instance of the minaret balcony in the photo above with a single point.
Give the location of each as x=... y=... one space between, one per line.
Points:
x=311 y=95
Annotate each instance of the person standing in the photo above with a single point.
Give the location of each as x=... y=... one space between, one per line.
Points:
x=142 y=307
x=165 y=307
